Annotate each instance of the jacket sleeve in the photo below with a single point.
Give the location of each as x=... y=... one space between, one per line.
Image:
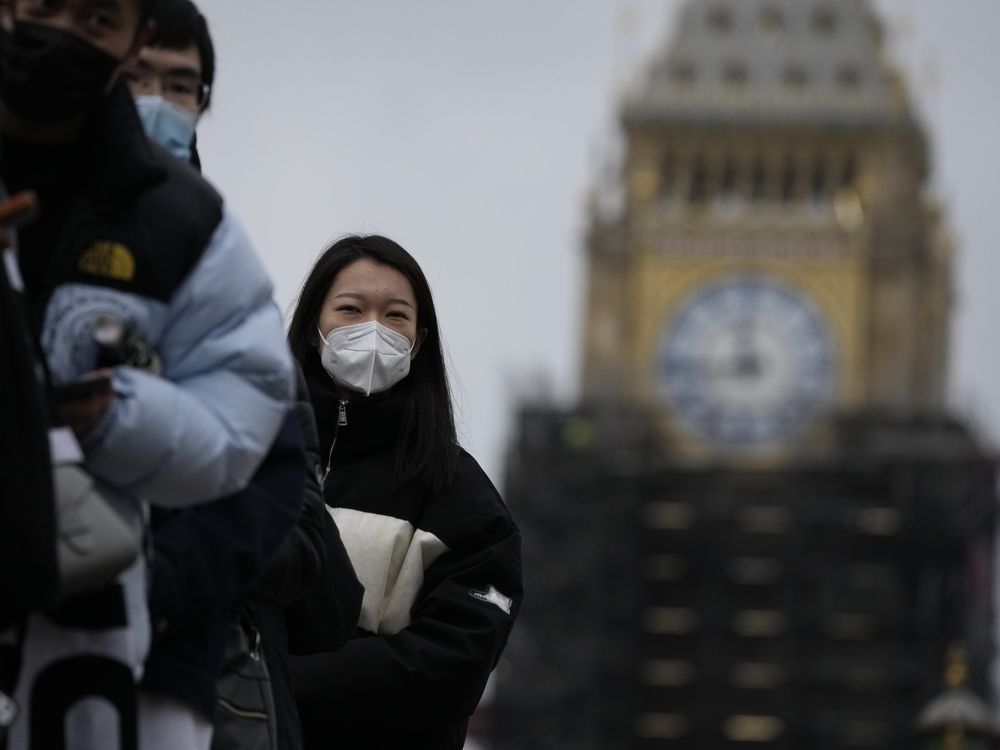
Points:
x=434 y=669
x=325 y=615
x=207 y=557
x=200 y=431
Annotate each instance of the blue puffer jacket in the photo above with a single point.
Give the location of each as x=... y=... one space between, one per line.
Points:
x=199 y=431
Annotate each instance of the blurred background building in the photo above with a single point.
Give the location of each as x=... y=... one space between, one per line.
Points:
x=760 y=526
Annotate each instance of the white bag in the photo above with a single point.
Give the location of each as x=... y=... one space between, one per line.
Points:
x=95 y=542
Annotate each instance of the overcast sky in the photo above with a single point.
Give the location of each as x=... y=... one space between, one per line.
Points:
x=470 y=131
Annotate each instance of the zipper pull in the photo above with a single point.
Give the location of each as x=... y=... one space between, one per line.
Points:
x=341 y=422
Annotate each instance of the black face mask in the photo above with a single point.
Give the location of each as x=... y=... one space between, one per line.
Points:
x=50 y=75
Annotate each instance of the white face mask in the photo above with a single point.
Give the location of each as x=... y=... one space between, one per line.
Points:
x=366 y=357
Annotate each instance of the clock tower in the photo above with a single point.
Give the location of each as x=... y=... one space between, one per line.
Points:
x=776 y=261
x=760 y=526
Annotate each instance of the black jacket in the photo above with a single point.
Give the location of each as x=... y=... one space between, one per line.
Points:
x=205 y=559
x=311 y=579
x=27 y=514
x=442 y=577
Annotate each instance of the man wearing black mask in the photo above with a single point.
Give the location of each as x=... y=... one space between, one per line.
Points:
x=53 y=77
x=127 y=234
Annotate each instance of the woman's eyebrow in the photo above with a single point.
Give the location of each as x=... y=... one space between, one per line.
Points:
x=394 y=300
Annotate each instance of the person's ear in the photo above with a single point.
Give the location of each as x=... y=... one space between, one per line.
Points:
x=421 y=335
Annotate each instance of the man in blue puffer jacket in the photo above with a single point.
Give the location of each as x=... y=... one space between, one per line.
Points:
x=128 y=233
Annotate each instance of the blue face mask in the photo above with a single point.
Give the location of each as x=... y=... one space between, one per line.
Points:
x=168 y=124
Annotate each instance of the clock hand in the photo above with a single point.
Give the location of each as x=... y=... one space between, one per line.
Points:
x=747 y=361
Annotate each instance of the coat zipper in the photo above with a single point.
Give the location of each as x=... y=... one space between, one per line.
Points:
x=341 y=422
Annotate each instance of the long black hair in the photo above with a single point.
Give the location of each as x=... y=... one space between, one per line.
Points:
x=427 y=447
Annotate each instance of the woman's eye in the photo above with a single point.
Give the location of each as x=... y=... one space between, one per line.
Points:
x=347 y=309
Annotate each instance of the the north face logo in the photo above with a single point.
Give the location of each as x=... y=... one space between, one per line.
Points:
x=112 y=260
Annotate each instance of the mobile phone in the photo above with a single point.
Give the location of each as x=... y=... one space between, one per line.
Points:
x=82 y=389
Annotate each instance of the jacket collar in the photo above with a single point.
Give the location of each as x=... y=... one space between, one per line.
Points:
x=123 y=161
x=372 y=421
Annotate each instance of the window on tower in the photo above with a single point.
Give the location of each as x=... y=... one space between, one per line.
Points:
x=682 y=72
x=668 y=176
x=660 y=726
x=848 y=77
x=734 y=74
x=668 y=672
x=849 y=172
x=824 y=20
x=758 y=180
x=698 y=190
x=817 y=181
x=795 y=76
x=788 y=180
x=758 y=676
x=771 y=23
x=753 y=729
x=720 y=18
x=727 y=179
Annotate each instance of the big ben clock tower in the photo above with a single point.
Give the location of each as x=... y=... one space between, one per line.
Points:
x=760 y=526
x=776 y=261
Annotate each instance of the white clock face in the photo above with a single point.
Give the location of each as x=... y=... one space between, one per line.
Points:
x=746 y=363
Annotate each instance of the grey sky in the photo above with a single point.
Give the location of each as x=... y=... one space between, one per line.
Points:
x=470 y=131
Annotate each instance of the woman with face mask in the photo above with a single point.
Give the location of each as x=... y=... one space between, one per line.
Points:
x=429 y=536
